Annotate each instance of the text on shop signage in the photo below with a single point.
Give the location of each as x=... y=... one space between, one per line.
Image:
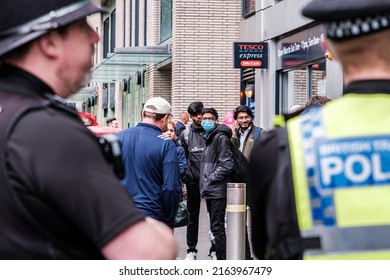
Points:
x=303 y=45
x=250 y=55
x=299 y=48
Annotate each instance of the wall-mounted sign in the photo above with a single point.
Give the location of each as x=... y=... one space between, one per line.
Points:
x=250 y=55
x=299 y=48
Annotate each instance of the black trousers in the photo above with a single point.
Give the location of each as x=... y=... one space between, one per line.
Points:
x=193 y=206
x=216 y=209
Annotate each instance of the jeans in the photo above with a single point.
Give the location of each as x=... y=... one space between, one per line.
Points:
x=193 y=206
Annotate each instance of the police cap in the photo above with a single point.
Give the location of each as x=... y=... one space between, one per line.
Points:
x=349 y=18
x=24 y=20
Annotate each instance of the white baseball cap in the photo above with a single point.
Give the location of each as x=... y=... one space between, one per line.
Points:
x=157 y=105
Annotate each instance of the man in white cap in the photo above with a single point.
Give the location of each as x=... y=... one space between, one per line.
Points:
x=59 y=199
x=321 y=186
x=151 y=163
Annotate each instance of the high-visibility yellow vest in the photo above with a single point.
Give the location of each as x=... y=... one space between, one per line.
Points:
x=340 y=157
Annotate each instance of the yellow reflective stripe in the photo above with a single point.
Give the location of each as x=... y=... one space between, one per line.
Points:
x=354 y=207
x=370 y=114
x=301 y=189
x=376 y=255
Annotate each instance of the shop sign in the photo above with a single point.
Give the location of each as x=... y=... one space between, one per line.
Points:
x=299 y=48
x=251 y=55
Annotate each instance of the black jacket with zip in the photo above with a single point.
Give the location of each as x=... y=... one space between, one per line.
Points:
x=217 y=163
x=193 y=143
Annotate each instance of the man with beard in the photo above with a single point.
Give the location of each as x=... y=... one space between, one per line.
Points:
x=245 y=133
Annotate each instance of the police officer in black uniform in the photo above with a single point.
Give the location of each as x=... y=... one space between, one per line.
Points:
x=357 y=36
x=59 y=199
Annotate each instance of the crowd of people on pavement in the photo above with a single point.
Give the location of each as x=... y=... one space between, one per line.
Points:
x=318 y=183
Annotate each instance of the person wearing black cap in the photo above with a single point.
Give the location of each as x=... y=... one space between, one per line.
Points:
x=59 y=199
x=320 y=186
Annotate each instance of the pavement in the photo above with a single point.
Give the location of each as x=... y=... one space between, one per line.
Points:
x=203 y=240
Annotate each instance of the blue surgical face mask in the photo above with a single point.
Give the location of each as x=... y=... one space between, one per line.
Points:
x=208 y=125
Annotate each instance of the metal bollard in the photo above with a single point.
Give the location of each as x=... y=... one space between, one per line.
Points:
x=235 y=212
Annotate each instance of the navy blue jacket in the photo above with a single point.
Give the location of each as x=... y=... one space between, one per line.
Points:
x=152 y=173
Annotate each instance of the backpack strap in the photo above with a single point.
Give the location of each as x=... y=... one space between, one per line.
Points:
x=257 y=133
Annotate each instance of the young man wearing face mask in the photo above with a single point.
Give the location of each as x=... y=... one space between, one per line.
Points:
x=216 y=165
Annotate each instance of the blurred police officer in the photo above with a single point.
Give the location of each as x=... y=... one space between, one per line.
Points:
x=323 y=191
x=58 y=197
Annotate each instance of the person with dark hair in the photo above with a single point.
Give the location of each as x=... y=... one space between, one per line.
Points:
x=215 y=168
x=244 y=132
x=112 y=122
x=193 y=143
x=320 y=186
x=151 y=163
x=317 y=100
x=59 y=197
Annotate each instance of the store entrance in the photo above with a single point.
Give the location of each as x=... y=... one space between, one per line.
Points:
x=298 y=84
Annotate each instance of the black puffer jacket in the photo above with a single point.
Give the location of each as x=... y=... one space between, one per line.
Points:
x=217 y=163
x=193 y=143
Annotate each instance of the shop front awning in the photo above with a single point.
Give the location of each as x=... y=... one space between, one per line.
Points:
x=126 y=61
x=86 y=94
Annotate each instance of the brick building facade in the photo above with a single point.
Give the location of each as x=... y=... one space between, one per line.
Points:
x=200 y=66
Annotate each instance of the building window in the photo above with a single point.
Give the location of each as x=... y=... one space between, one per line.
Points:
x=96 y=49
x=145 y=23
x=131 y=22
x=113 y=23
x=144 y=78
x=248 y=7
x=106 y=42
x=301 y=83
x=136 y=23
x=105 y=96
x=112 y=96
x=166 y=20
